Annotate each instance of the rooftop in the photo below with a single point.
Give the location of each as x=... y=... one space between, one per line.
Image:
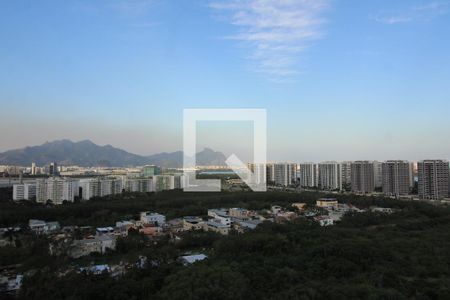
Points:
x=190 y=259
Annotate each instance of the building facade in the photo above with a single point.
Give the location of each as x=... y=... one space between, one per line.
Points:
x=24 y=191
x=308 y=176
x=329 y=177
x=396 y=177
x=346 y=175
x=363 y=177
x=270 y=173
x=433 y=179
x=284 y=173
x=141 y=185
x=57 y=190
x=151 y=170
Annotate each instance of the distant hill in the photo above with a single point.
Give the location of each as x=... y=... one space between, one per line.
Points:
x=86 y=153
x=175 y=159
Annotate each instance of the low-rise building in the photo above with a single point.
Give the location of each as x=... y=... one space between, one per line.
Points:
x=240 y=213
x=150 y=230
x=104 y=230
x=216 y=226
x=37 y=226
x=153 y=218
x=285 y=216
x=220 y=216
x=243 y=225
x=98 y=244
x=175 y=225
x=190 y=259
x=192 y=223
x=327 y=202
x=324 y=220
x=42 y=227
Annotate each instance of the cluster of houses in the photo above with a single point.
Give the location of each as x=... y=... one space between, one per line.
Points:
x=103 y=239
x=223 y=220
x=326 y=212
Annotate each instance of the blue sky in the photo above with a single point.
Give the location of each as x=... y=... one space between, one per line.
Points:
x=339 y=79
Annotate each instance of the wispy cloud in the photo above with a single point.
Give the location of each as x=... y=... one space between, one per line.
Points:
x=414 y=13
x=392 y=19
x=275 y=31
x=435 y=7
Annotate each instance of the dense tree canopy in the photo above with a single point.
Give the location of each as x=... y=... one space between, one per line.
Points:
x=405 y=255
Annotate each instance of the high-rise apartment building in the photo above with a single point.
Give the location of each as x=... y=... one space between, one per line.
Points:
x=24 y=191
x=284 y=173
x=378 y=174
x=179 y=181
x=53 y=169
x=163 y=182
x=270 y=173
x=363 y=176
x=90 y=188
x=396 y=177
x=110 y=186
x=33 y=169
x=330 y=176
x=151 y=170
x=259 y=173
x=346 y=174
x=142 y=185
x=57 y=190
x=308 y=175
x=433 y=179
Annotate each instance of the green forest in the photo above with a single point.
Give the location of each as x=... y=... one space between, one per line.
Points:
x=405 y=255
x=107 y=210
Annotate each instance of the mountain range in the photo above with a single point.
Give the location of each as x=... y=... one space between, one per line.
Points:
x=88 y=154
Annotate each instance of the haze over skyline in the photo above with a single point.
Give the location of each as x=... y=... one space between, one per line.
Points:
x=341 y=80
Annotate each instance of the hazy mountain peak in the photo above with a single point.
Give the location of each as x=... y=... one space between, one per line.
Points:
x=87 y=153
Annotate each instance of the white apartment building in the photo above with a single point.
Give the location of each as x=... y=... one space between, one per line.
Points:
x=110 y=186
x=142 y=185
x=270 y=173
x=259 y=173
x=346 y=174
x=33 y=169
x=163 y=182
x=179 y=181
x=90 y=187
x=330 y=176
x=308 y=175
x=433 y=179
x=56 y=190
x=396 y=177
x=24 y=191
x=285 y=173
x=363 y=176
x=100 y=187
x=378 y=174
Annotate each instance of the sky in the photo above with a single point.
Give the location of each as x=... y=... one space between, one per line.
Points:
x=340 y=80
